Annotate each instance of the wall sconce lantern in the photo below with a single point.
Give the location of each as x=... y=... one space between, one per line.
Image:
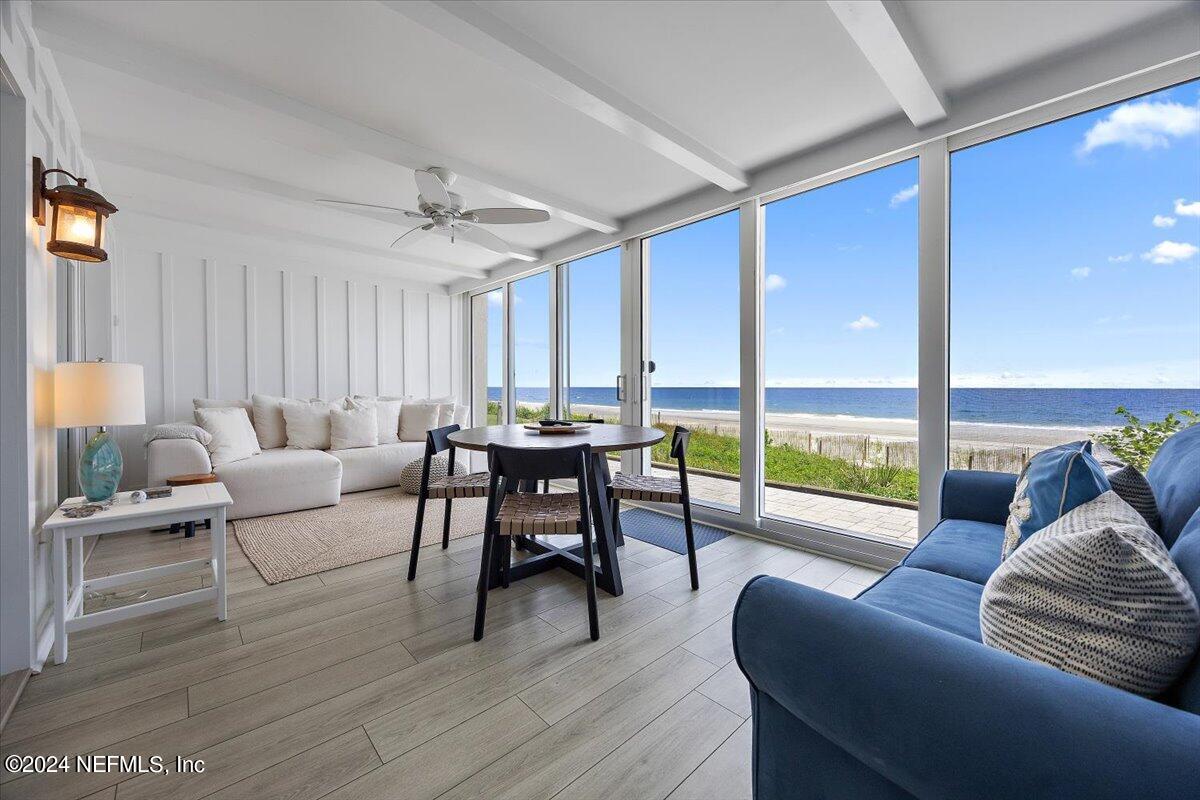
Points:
x=77 y=216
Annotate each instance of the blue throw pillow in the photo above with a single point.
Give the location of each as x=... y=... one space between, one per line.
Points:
x=1052 y=483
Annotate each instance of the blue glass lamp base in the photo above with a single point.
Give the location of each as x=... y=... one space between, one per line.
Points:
x=100 y=467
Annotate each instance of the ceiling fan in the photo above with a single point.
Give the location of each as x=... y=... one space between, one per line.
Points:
x=446 y=216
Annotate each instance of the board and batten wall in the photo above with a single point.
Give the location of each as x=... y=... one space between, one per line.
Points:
x=215 y=314
x=36 y=119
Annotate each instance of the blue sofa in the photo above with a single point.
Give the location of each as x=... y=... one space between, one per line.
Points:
x=893 y=694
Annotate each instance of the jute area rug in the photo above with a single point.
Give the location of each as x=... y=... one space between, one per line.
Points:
x=363 y=526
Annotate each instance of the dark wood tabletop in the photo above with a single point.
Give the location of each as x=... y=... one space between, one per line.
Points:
x=602 y=438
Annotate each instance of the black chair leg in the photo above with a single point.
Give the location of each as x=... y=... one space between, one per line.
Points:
x=691 y=542
x=505 y=559
x=589 y=578
x=446 y=526
x=416 y=545
x=485 y=576
x=546 y=486
x=618 y=536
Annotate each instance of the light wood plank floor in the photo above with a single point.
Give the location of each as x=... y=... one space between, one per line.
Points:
x=356 y=683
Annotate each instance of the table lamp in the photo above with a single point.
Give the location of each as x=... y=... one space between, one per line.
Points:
x=99 y=393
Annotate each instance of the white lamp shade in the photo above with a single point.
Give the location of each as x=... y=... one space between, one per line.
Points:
x=89 y=394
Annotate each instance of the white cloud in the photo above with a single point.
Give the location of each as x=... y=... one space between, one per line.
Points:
x=1144 y=125
x=774 y=282
x=1168 y=252
x=1185 y=209
x=1079 y=273
x=1160 y=221
x=863 y=323
x=904 y=195
x=1121 y=259
x=496 y=298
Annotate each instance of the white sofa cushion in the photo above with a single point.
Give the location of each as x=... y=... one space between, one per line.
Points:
x=233 y=436
x=387 y=415
x=356 y=425
x=366 y=468
x=208 y=402
x=169 y=457
x=269 y=423
x=307 y=424
x=417 y=419
x=281 y=480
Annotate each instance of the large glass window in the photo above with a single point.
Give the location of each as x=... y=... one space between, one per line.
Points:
x=592 y=335
x=531 y=346
x=487 y=357
x=694 y=344
x=1075 y=279
x=840 y=355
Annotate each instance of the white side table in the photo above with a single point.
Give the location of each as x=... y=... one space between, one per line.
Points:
x=186 y=503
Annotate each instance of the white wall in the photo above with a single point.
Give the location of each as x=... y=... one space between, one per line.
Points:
x=38 y=121
x=212 y=313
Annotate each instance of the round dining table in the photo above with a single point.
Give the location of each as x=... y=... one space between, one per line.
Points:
x=603 y=439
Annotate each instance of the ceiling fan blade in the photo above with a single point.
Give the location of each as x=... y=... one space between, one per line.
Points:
x=432 y=189
x=478 y=236
x=350 y=206
x=506 y=216
x=412 y=236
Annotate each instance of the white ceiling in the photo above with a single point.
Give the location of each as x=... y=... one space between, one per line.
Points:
x=238 y=114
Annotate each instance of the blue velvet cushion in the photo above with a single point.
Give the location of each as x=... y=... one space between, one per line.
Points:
x=1053 y=482
x=942 y=601
x=961 y=548
x=1174 y=475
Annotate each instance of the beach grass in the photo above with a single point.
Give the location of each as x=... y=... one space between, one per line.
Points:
x=719 y=452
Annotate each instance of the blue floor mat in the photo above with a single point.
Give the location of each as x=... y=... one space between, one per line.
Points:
x=666 y=531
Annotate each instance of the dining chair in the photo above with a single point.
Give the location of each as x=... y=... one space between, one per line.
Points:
x=660 y=489
x=472 y=484
x=511 y=513
x=590 y=421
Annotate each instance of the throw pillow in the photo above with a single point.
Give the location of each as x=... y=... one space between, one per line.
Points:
x=1052 y=483
x=462 y=416
x=232 y=434
x=1096 y=594
x=356 y=425
x=445 y=414
x=307 y=424
x=269 y=423
x=208 y=402
x=387 y=414
x=417 y=419
x=1130 y=484
x=410 y=476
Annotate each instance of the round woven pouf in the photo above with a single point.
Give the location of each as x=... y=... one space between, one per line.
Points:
x=410 y=476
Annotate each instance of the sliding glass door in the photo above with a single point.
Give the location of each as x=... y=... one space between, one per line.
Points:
x=487 y=358
x=1075 y=286
x=840 y=356
x=591 y=335
x=694 y=352
x=531 y=347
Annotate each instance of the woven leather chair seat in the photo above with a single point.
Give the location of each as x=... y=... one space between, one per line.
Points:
x=533 y=514
x=648 y=488
x=471 y=484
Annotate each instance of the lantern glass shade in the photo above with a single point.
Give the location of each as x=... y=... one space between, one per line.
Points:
x=77 y=233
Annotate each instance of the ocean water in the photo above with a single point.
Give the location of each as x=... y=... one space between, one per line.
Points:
x=1048 y=407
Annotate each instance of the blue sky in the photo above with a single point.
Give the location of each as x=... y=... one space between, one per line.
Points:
x=1074 y=263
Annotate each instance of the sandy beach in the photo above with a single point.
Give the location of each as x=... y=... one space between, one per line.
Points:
x=972 y=433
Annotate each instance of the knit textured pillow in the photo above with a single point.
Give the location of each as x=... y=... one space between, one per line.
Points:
x=1130 y=484
x=1095 y=594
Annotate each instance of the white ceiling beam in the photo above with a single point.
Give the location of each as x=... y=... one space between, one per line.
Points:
x=474 y=28
x=61 y=31
x=110 y=151
x=883 y=34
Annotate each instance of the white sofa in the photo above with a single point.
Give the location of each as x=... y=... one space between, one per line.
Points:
x=285 y=479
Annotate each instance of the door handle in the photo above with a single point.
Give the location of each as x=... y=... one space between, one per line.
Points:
x=620 y=388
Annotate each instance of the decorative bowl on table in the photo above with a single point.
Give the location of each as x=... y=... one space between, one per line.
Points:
x=556 y=426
